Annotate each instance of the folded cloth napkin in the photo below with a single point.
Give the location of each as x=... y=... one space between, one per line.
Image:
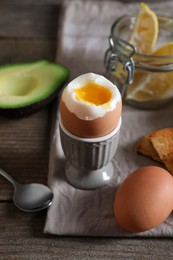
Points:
x=82 y=41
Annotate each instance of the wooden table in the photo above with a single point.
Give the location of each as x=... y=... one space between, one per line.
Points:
x=28 y=31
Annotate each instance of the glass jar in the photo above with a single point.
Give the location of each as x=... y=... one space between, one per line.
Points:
x=130 y=70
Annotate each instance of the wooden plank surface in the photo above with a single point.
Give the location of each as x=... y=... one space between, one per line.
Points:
x=23 y=50
x=24 y=149
x=28 y=31
x=17 y=20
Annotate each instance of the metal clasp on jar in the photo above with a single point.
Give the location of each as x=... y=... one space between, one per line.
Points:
x=119 y=63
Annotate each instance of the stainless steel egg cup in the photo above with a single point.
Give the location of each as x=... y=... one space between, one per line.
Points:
x=89 y=163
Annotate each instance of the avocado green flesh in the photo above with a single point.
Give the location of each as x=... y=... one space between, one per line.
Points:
x=25 y=84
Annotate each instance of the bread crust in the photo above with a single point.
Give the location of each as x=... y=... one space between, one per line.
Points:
x=158 y=145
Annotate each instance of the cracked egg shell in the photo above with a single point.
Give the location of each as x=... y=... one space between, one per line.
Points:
x=90 y=106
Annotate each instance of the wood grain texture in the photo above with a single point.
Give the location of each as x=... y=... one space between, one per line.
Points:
x=24 y=149
x=28 y=32
x=84 y=248
x=50 y=2
x=28 y=21
x=24 y=50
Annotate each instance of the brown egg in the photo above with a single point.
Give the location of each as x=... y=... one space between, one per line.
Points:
x=145 y=199
x=90 y=106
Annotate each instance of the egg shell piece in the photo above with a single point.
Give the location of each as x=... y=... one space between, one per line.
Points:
x=90 y=128
x=86 y=110
x=144 y=199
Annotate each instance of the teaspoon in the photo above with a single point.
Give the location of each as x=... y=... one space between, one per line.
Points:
x=30 y=197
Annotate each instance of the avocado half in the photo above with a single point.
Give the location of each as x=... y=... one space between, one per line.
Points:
x=27 y=87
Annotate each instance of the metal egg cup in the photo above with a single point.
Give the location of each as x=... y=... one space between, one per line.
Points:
x=89 y=160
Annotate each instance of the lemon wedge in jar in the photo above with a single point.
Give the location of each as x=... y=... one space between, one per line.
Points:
x=153 y=88
x=165 y=50
x=145 y=32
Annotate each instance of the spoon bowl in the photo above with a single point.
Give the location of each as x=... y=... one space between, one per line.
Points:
x=30 y=197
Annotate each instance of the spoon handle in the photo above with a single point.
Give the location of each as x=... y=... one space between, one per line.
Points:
x=8 y=177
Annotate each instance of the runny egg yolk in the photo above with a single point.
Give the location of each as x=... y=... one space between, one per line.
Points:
x=93 y=93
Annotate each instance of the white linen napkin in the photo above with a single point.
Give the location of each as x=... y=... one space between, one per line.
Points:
x=82 y=41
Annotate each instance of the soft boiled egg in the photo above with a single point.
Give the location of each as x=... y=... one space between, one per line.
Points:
x=90 y=106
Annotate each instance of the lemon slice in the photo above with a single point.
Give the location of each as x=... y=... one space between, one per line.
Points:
x=150 y=90
x=164 y=50
x=145 y=32
x=151 y=95
x=153 y=86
